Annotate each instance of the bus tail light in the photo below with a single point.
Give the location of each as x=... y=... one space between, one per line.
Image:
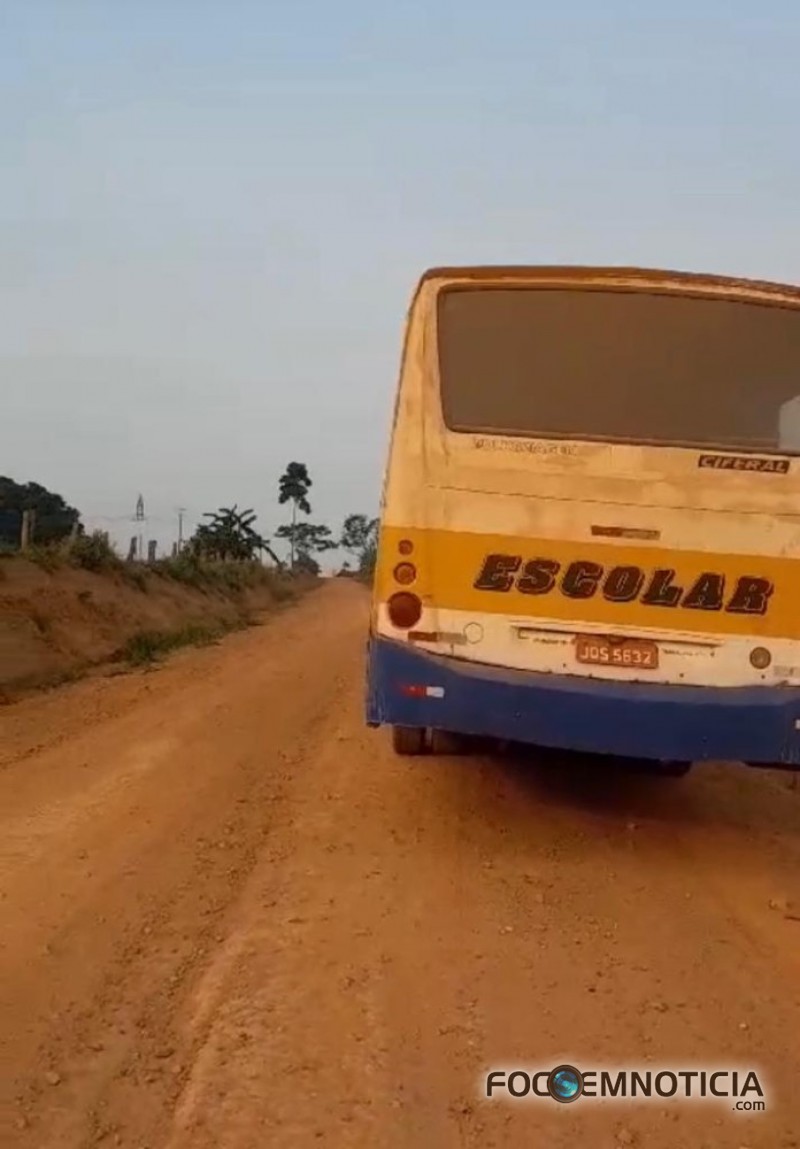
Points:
x=405 y=610
x=416 y=690
x=405 y=573
x=405 y=546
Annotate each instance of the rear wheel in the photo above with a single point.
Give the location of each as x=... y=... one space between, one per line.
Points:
x=672 y=769
x=408 y=739
x=445 y=742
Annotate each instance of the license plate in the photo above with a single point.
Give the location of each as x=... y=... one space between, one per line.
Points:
x=630 y=653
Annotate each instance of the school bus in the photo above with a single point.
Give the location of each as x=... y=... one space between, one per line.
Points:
x=590 y=520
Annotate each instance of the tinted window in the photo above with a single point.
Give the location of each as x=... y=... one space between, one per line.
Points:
x=620 y=365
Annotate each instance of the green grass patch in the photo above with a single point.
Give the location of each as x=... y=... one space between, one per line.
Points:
x=150 y=645
x=228 y=577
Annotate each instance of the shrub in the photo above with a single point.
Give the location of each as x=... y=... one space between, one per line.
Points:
x=94 y=552
x=136 y=576
x=185 y=568
x=48 y=558
x=283 y=589
x=227 y=577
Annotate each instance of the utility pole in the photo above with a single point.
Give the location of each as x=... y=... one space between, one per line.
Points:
x=181 y=513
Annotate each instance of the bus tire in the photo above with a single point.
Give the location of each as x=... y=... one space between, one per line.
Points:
x=673 y=769
x=446 y=743
x=408 y=740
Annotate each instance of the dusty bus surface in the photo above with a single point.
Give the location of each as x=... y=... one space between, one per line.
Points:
x=590 y=524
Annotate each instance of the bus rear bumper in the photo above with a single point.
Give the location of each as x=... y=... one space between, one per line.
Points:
x=756 y=725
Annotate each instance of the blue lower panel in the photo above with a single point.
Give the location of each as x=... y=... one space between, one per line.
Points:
x=759 y=725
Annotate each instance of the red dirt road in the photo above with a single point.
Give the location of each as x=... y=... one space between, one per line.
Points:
x=231 y=918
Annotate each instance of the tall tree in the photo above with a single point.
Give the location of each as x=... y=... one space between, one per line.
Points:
x=360 y=538
x=308 y=540
x=293 y=487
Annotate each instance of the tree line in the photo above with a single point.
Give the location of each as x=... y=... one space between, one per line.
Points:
x=55 y=518
x=226 y=535
x=230 y=534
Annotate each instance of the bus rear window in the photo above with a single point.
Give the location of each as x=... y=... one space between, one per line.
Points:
x=620 y=365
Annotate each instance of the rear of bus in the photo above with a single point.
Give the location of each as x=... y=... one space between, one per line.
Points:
x=590 y=531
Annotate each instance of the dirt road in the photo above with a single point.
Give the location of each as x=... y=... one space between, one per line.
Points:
x=230 y=918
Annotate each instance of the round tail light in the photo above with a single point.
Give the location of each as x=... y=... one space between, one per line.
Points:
x=760 y=657
x=405 y=610
x=405 y=573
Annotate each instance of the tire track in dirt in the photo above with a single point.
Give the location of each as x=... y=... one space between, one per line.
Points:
x=125 y=848
x=432 y=918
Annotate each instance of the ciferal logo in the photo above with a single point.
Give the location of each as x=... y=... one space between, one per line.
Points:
x=566 y=1084
x=744 y=463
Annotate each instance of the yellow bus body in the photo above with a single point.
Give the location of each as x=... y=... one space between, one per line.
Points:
x=609 y=593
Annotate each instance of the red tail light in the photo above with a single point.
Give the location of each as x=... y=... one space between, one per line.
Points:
x=405 y=610
x=404 y=573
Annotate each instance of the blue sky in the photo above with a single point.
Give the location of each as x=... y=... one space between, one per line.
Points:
x=212 y=214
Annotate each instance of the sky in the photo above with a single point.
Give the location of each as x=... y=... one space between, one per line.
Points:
x=212 y=215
